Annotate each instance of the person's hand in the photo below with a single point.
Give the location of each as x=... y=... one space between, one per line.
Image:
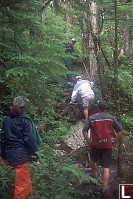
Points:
x=90 y=142
x=4 y=162
x=113 y=143
x=38 y=166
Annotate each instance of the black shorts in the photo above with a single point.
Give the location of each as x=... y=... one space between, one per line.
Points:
x=104 y=156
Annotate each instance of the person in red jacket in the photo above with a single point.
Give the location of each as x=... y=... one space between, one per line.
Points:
x=19 y=139
x=102 y=126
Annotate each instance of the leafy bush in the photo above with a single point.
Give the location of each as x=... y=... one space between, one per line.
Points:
x=57 y=177
x=6 y=182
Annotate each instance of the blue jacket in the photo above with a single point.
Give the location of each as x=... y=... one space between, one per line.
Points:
x=17 y=139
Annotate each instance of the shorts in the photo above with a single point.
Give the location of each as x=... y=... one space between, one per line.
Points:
x=86 y=100
x=104 y=156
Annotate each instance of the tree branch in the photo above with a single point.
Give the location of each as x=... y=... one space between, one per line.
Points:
x=43 y=7
x=105 y=57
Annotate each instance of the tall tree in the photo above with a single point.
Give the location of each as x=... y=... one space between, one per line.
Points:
x=29 y=50
x=43 y=5
x=89 y=26
x=94 y=61
x=116 y=84
x=68 y=14
x=127 y=32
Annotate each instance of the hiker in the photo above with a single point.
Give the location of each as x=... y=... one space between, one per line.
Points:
x=84 y=89
x=102 y=126
x=68 y=62
x=19 y=139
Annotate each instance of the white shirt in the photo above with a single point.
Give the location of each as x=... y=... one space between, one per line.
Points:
x=82 y=87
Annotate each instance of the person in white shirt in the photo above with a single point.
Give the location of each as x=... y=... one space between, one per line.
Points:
x=84 y=89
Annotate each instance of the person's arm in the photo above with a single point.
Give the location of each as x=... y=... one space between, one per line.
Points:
x=74 y=94
x=87 y=137
x=28 y=137
x=5 y=162
x=119 y=130
x=91 y=84
x=85 y=131
x=119 y=134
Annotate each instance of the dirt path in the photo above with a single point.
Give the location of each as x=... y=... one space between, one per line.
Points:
x=76 y=139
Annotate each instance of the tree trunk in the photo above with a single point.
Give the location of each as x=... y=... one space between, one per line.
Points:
x=43 y=11
x=116 y=84
x=89 y=28
x=128 y=38
x=68 y=14
x=43 y=5
x=94 y=31
x=85 y=37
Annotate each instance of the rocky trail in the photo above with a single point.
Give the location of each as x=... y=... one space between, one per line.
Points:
x=74 y=142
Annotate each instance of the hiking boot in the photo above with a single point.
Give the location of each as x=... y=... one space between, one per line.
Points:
x=104 y=192
x=105 y=195
x=83 y=120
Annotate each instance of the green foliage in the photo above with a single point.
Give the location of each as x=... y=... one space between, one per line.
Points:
x=32 y=53
x=126 y=86
x=53 y=180
x=32 y=64
x=127 y=120
x=128 y=141
x=115 y=154
x=6 y=181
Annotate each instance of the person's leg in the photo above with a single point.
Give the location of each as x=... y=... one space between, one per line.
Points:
x=23 y=186
x=93 y=166
x=94 y=157
x=86 y=112
x=86 y=104
x=90 y=101
x=105 y=177
x=105 y=162
x=105 y=183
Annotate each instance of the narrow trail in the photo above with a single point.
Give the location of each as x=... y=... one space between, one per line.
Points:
x=76 y=140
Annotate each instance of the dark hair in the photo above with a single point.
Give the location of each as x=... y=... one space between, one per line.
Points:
x=101 y=105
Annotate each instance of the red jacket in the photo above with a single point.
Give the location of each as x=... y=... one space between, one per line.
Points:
x=102 y=127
